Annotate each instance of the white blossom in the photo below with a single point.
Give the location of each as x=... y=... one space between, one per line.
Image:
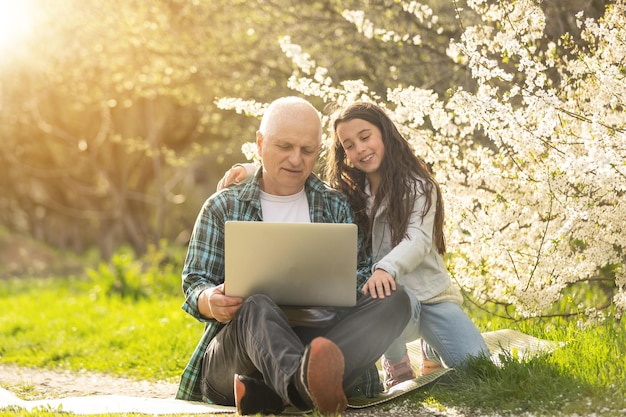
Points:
x=247 y=107
x=540 y=203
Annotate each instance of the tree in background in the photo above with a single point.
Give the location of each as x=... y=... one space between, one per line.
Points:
x=531 y=159
x=109 y=130
x=108 y=122
x=99 y=114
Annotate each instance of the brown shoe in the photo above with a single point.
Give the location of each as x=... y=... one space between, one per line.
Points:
x=320 y=378
x=396 y=372
x=253 y=396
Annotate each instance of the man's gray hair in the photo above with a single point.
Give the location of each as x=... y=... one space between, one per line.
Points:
x=284 y=104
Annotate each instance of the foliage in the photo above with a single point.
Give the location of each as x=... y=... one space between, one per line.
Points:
x=154 y=274
x=107 y=117
x=531 y=160
x=109 y=131
x=109 y=134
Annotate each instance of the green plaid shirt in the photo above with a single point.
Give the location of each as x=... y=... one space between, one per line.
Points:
x=204 y=264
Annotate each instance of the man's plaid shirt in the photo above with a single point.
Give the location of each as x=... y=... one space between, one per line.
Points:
x=204 y=265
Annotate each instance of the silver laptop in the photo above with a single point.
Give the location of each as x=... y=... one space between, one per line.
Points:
x=296 y=264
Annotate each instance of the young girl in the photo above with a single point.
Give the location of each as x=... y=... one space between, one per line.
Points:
x=398 y=202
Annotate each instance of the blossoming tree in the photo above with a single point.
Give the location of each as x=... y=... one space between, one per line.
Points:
x=532 y=162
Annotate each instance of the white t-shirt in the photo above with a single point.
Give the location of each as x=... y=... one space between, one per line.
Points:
x=288 y=208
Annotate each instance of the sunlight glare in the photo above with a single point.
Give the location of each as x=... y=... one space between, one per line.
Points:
x=15 y=22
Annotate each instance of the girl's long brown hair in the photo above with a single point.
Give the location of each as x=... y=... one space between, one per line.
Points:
x=398 y=173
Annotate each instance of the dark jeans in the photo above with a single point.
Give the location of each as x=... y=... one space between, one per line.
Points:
x=259 y=342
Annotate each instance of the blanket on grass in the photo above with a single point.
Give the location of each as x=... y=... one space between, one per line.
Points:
x=501 y=342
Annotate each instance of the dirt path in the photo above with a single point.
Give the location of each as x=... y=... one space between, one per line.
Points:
x=38 y=384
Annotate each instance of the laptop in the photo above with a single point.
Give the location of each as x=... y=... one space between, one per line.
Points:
x=296 y=264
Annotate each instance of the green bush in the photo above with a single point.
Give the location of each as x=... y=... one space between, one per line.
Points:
x=155 y=274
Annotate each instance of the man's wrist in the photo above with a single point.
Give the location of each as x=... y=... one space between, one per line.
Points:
x=203 y=303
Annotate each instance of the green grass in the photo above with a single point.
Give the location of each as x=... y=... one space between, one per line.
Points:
x=99 y=326
x=585 y=375
x=67 y=325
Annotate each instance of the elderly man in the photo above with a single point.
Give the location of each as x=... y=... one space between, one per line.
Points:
x=253 y=354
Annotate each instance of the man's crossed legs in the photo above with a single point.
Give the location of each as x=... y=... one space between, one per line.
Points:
x=274 y=364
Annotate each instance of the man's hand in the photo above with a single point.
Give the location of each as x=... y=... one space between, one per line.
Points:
x=214 y=304
x=379 y=285
x=233 y=176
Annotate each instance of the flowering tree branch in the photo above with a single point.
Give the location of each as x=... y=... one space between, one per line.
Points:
x=530 y=161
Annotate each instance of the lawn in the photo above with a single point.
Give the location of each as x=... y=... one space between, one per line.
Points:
x=103 y=324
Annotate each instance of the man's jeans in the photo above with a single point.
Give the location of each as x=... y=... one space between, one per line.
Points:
x=259 y=342
x=450 y=334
